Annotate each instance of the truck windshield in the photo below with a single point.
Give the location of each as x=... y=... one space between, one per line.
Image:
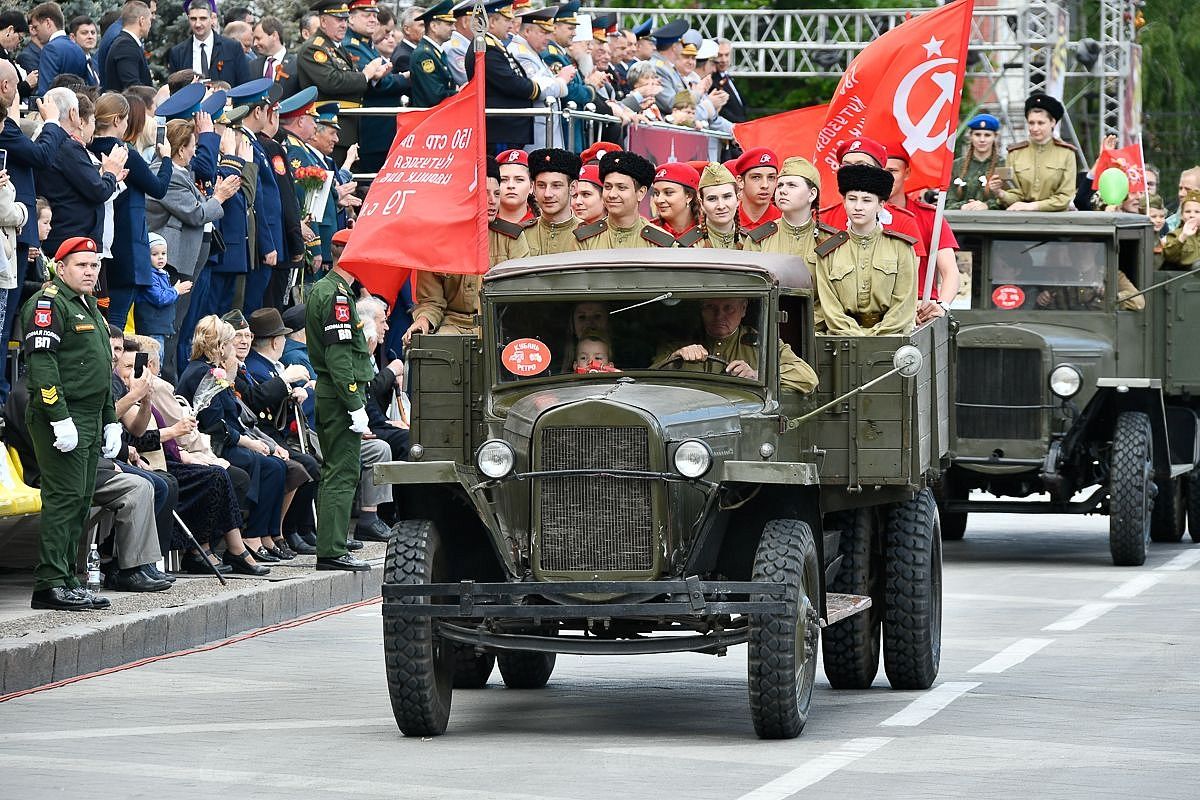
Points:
x=635 y=332
x=1063 y=275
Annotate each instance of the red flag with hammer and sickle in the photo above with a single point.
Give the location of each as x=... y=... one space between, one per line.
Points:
x=904 y=88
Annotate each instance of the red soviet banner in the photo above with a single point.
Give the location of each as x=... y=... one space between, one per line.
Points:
x=905 y=88
x=1129 y=160
x=427 y=207
x=791 y=133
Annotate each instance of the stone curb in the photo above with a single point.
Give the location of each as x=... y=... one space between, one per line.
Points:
x=63 y=653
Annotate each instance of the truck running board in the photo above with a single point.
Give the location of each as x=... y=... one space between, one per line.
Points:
x=840 y=606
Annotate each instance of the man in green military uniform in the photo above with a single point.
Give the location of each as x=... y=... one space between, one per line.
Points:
x=324 y=63
x=1043 y=168
x=375 y=134
x=431 y=79
x=338 y=351
x=69 y=361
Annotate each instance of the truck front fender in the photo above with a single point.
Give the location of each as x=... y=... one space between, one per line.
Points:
x=1114 y=396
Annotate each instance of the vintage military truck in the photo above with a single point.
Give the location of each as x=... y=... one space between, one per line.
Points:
x=668 y=509
x=1062 y=391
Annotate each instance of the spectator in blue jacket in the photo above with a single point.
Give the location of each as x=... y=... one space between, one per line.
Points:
x=156 y=302
x=60 y=55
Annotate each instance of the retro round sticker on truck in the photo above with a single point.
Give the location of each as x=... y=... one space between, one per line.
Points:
x=1008 y=297
x=526 y=357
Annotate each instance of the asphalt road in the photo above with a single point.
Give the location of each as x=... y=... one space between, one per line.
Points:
x=1061 y=677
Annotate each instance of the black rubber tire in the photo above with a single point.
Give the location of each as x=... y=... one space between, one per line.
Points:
x=523 y=669
x=419 y=664
x=954 y=523
x=471 y=669
x=912 y=620
x=1193 y=504
x=1169 y=517
x=850 y=648
x=1130 y=496
x=782 y=658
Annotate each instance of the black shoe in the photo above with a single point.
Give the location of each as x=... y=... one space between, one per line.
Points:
x=60 y=598
x=262 y=554
x=354 y=544
x=310 y=537
x=376 y=531
x=193 y=564
x=242 y=563
x=286 y=552
x=134 y=580
x=154 y=572
x=98 y=602
x=301 y=547
x=347 y=562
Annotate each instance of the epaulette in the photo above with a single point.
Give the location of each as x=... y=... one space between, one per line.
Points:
x=832 y=243
x=657 y=236
x=823 y=228
x=50 y=291
x=1018 y=145
x=761 y=232
x=505 y=228
x=585 y=232
x=1067 y=145
x=319 y=41
x=898 y=235
x=231 y=161
x=691 y=237
x=528 y=223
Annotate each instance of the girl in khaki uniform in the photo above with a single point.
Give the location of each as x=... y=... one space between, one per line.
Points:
x=719 y=202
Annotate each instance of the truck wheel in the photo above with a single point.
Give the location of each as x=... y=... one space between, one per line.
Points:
x=1193 y=504
x=471 y=669
x=912 y=620
x=954 y=523
x=419 y=664
x=782 y=660
x=1129 y=489
x=850 y=648
x=525 y=670
x=1169 y=516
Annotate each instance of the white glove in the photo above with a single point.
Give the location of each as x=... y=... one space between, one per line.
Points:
x=66 y=438
x=358 y=420
x=112 y=440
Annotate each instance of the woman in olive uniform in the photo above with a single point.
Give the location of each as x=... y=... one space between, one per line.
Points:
x=972 y=170
x=719 y=202
x=795 y=233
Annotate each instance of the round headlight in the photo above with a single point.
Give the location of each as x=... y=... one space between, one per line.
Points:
x=495 y=458
x=1065 y=381
x=692 y=458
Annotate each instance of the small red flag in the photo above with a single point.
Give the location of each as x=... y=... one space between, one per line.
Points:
x=792 y=133
x=427 y=207
x=1129 y=160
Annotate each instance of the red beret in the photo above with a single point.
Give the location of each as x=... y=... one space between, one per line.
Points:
x=753 y=158
x=896 y=150
x=678 y=172
x=698 y=165
x=597 y=151
x=513 y=157
x=341 y=236
x=863 y=145
x=730 y=165
x=76 y=244
x=591 y=174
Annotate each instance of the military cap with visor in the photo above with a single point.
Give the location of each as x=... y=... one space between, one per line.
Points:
x=440 y=11
x=542 y=17
x=184 y=104
x=332 y=8
x=299 y=103
x=670 y=33
x=260 y=91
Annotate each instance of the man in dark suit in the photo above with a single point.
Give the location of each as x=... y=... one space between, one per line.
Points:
x=207 y=53
x=109 y=34
x=126 y=65
x=60 y=55
x=734 y=109
x=13 y=27
x=273 y=60
x=507 y=84
x=412 y=28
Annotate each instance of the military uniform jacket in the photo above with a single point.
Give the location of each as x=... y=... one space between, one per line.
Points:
x=601 y=235
x=1044 y=173
x=867 y=284
x=456 y=56
x=506 y=240
x=1180 y=252
x=375 y=134
x=301 y=155
x=742 y=345
x=549 y=238
x=431 y=79
x=507 y=86
x=672 y=83
x=734 y=240
x=787 y=239
x=236 y=224
x=323 y=63
x=972 y=184
x=268 y=206
x=535 y=67
x=65 y=341
x=336 y=344
x=449 y=301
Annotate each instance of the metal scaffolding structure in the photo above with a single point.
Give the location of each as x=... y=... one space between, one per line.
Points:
x=1016 y=48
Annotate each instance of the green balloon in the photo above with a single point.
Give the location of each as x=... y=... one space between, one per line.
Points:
x=1114 y=186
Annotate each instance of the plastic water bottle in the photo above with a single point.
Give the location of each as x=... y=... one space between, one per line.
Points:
x=93 y=568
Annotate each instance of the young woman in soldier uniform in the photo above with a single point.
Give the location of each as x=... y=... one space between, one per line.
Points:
x=1043 y=167
x=586 y=201
x=797 y=193
x=719 y=202
x=969 y=189
x=866 y=275
x=676 y=204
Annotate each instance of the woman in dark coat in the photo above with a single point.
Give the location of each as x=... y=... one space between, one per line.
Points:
x=129 y=266
x=212 y=354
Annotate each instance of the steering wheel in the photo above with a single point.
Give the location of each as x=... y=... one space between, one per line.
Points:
x=677 y=362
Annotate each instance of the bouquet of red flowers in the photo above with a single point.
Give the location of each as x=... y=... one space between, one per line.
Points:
x=310 y=178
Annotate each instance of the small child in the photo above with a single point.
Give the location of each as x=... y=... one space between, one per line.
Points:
x=683 y=110
x=41 y=266
x=592 y=354
x=1181 y=248
x=156 y=316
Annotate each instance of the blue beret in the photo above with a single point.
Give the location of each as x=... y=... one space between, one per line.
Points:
x=984 y=122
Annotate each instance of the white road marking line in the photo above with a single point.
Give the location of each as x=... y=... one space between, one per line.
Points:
x=927 y=705
x=1010 y=656
x=817 y=769
x=1134 y=586
x=1081 y=616
x=1182 y=561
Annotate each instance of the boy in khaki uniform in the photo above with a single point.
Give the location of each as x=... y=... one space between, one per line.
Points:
x=552 y=170
x=627 y=177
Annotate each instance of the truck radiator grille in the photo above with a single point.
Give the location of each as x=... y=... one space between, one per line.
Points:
x=594 y=523
x=1007 y=377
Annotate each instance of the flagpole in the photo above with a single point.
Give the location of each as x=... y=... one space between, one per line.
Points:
x=934 y=242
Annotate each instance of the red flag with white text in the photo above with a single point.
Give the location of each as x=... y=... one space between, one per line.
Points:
x=1129 y=160
x=427 y=208
x=905 y=88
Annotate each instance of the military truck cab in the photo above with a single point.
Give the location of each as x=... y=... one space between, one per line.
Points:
x=1062 y=376
x=575 y=487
